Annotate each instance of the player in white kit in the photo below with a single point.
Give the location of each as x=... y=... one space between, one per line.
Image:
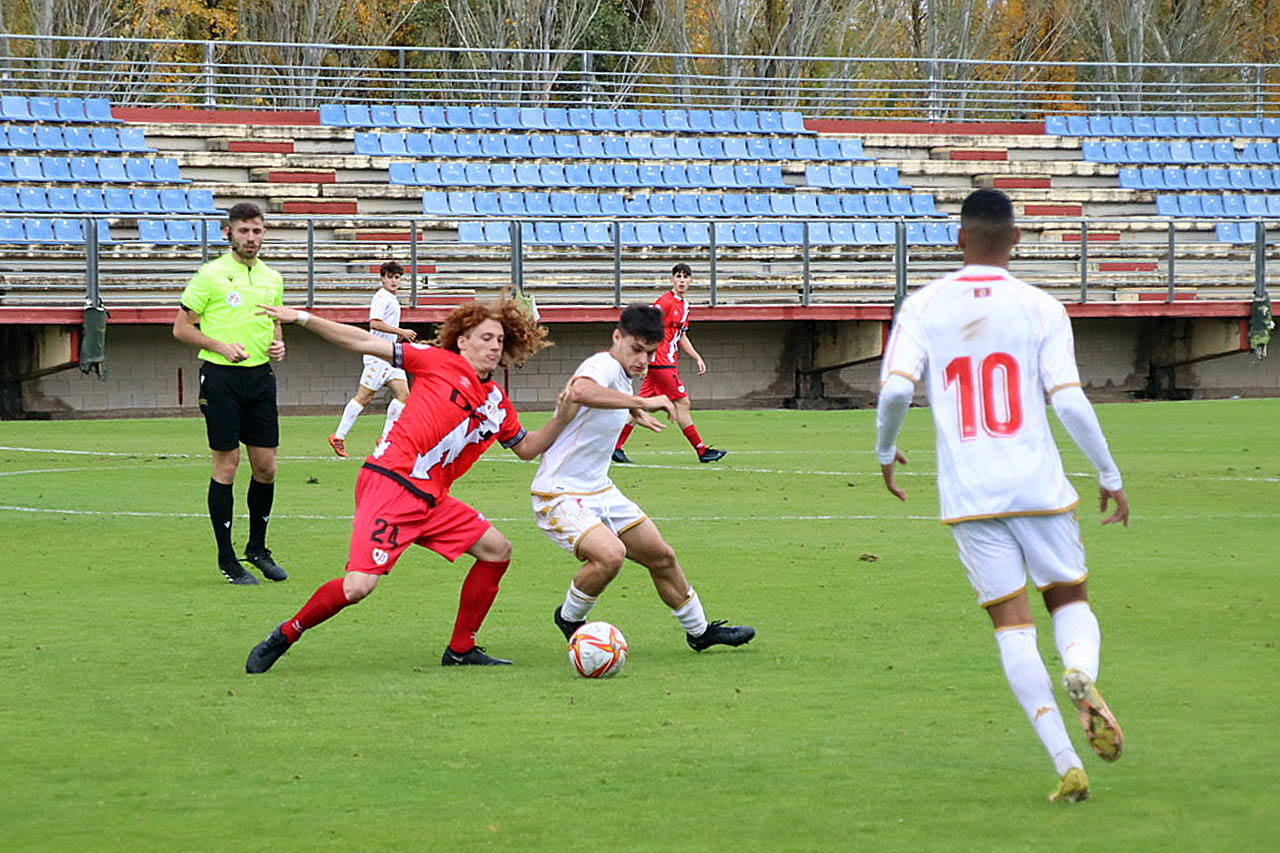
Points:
x=581 y=510
x=384 y=322
x=990 y=349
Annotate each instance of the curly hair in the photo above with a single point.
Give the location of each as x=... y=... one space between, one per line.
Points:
x=522 y=336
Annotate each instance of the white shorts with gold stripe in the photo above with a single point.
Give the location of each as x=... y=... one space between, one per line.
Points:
x=567 y=517
x=1000 y=553
x=378 y=373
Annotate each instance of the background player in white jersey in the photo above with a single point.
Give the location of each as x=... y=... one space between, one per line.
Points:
x=582 y=511
x=384 y=323
x=990 y=348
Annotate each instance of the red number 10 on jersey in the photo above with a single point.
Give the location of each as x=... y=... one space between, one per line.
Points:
x=997 y=384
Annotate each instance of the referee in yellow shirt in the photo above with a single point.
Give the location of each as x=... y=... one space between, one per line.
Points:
x=219 y=314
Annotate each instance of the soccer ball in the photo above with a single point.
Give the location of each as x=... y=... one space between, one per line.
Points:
x=598 y=650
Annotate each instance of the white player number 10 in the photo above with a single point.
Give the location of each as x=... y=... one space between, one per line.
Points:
x=996 y=383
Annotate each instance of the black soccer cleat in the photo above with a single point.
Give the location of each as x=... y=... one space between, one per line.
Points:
x=235 y=573
x=720 y=634
x=266 y=653
x=711 y=455
x=262 y=561
x=566 y=627
x=620 y=457
x=475 y=657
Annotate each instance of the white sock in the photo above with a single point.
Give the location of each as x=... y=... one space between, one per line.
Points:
x=1030 y=682
x=394 y=408
x=690 y=615
x=1079 y=641
x=349 y=415
x=577 y=604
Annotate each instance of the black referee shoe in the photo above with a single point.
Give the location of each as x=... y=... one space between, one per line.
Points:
x=475 y=657
x=271 y=570
x=235 y=573
x=266 y=653
x=620 y=457
x=720 y=634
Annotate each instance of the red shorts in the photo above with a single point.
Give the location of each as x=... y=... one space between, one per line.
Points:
x=663 y=380
x=389 y=518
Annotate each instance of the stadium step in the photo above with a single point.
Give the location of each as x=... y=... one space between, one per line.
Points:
x=1180 y=294
x=1074 y=236
x=423 y=269
x=251 y=146
x=310 y=205
x=293 y=176
x=1052 y=209
x=968 y=154
x=1005 y=182
x=1123 y=266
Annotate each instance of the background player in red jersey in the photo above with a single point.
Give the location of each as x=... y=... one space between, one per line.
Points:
x=663 y=377
x=454 y=413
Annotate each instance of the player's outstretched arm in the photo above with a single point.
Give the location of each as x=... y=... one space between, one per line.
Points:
x=540 y=439
x=587 y=392
x=347 y=337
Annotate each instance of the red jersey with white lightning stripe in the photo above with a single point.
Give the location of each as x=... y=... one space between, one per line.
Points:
x=452 y=417
x=675 y=322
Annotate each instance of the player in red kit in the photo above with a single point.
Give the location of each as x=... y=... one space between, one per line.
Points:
x=663 y=377
x=454 y=413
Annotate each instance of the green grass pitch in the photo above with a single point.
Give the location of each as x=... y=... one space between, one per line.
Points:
x=870 y=713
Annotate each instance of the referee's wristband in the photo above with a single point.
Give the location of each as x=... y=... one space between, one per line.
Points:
x=303 y=317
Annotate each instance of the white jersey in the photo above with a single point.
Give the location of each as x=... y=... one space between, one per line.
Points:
x=577 y=462
x=385 y=307
x=990 y=349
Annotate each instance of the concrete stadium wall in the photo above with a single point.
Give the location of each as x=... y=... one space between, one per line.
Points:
x=750 y=364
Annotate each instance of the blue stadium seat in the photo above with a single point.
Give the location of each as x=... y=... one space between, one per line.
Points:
x=1250 y=126
x=1248 y=154
x=21 y=167
x=722 y=176
x=600 y=233
x=1219 y=179
x=42 y=109
x=736 y=148
x=382 y=115
x=749 y=176
x=615 y=147
x=1271 y=127
x=418 y=144
x=1180 y=152
x=1212 y=205
x=747 y=121
x=700 y=121
x=922 y=205
x=502 y=175
x=201 y=201
x=722 y=121
x=552 y=175
x=769 y=233
x=71 y=110
x=1240 y=179
x=828 y=148
x=333 y=115
x=556 y=118
x=771 y=176
x=39 y=231
x=887 y=178
x=1197 y=179
x=806 y=148
x=443 y=144
x=590 y=147
x=758 y=148
x=687 y=148
x=402 y=174
x=1130 y=179
x=468 y=144
x=471 y=232
x=90 y=200
x=1174 y=178
x=1099 y=125
x=662 y=204
x=686 y=204
x=14 y=108
x=1229 y=126
x=937 y=234
x=640 y=147
x=167 y=171
x=1166 y=126
x=806 y=204
x=915 y=234
x=500 y=232
x=133 y=139
x=505 y=118
x=357 y=115
x=68 y=230
x=484 y=118
x=793 y=233
x=1225 y=153
x=476 y=174
x=851 y=149
x=587 y=204
x=671 y=233
x=1233 y=205
x=724 y=234
x=770 y=122
x=62 y=200
x=393 y=144
x=1159 y=152
x=9 y=200
x=697 y=233
x=47 y=138
x=118 y=200
x=600 y=175
x=1135 y=151
x=1144 y=126
x=458 y=117
x=673 y=175
x=436 y=203
x=1121 y=126
x=1185 y=125
x=899 y=204
x=580 y=119
x=1207 y=126
x=22 y=137
x=493 y=145
x=877 y=204
x=577 y=175
x=1152 y=178
x=451 y=174
x=864 y=177
x=638 y=205
x=653 y=120
x=647 y=234
x=537 y=203
x=55 y=168
x=367 y=144
x=626 y=174
x=783 y=147
x=650 y=176
x=11 y=231
x=612 y=204
x=677 y=120
x=1228 y=232
x=1273 y=205
x=1094 y=152
x=829 y=205
x=173 y=201
x=664 y=148
x=1167 y=205
x=486 y=203
x=735 y=204
x=759 y=204
x=406 y=115
x=782 y=204
x=842 y=177
x=432 y=118
x=853 y=205
x=622 y=120
x=699 y=175
x=563 y=204
x=1262 y=179
x=747 y=234
x=708 y=204
x=462 y=203
x=573 y=234
x=820 y=234
x=152 y=231
x=793 y=122
x=1189 y=205
x=1113 y=151
x=604 y=118
x=77 y=138
x=1056 y=126
x=33 y=200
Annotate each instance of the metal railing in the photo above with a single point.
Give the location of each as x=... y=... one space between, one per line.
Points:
x=323 y=267
x=273 y=75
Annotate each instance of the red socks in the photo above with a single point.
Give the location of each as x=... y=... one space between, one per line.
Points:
x=478 y=592
x=323 y=603
x=691 y=433
x=626 y=433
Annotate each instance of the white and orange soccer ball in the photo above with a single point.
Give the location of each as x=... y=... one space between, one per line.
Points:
x=598 y=650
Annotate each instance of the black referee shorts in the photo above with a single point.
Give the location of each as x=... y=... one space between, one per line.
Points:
x=239 y=405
